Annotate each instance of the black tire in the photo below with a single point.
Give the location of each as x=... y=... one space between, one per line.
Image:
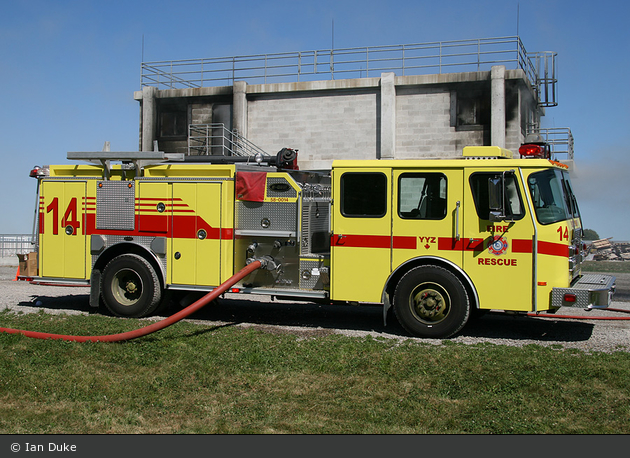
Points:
x=130 y=286
x=430 y=301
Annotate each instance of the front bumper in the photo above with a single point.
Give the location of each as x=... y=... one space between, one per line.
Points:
x=591 y=291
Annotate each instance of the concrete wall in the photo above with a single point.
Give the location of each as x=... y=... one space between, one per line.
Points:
x=423 y=124
x=369 y=118
x=322 y=126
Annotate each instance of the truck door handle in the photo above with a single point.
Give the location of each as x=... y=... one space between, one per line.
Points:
x=457 y=205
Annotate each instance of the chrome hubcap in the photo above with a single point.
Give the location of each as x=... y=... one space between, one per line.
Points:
x=127 y=287
x=429 y=303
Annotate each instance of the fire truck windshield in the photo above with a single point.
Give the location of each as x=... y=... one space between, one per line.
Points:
x=552 y=196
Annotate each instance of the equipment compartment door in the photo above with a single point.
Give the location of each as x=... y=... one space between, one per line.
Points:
x=361 y=239
x=195 y=256
x=62 y=229
x=498 y=255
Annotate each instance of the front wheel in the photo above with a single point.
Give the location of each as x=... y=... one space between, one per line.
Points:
x=430 y=301
x=130 y=286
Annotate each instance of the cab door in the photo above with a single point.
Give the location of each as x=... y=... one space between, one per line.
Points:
x=498 y=255
x=361 y=238
x=427 y=214
x=62 y=252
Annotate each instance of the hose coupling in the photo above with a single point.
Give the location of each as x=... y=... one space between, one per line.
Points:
x=266 y=262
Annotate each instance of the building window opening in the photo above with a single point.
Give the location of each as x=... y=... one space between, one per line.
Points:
x=470 y=109
x=173 y=122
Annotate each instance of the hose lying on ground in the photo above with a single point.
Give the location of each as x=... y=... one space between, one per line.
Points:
x=582 y=317
x=192 y=308
x=195 y=306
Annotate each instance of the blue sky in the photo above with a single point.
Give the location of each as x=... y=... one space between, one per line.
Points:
x=68 y=70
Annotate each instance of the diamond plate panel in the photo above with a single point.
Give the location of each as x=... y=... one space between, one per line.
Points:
x=591 y=291
x=280 y=216
x=115 y=205
x=314 y=273
x=315 y=227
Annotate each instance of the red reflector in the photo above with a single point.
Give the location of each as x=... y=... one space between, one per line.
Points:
x=570 y=298
x=532 y=150
x=235 y=290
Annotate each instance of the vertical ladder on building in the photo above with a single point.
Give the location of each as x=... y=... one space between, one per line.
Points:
x=543 y=65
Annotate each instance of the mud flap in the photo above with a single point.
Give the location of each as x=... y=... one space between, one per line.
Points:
x=95 y=288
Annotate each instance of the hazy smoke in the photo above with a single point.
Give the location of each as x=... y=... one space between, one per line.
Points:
x=602 y=185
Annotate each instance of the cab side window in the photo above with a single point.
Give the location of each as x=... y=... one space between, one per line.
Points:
x=422 y=196
x=364 y=194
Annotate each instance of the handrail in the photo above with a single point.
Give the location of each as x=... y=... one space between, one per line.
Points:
x=12 y=244
x=408 y=59
x=215 y=139
x=560 y=140
x=200 y=72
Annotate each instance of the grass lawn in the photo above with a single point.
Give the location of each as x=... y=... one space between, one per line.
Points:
x=191 y=378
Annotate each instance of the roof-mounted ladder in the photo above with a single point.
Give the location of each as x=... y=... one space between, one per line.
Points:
x=138 y=159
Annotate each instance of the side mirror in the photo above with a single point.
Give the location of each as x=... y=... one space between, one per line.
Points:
x=496 y=201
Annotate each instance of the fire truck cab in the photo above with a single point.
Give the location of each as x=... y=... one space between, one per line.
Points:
x=434 y=240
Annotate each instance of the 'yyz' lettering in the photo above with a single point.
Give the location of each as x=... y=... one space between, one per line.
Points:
x=427 y=239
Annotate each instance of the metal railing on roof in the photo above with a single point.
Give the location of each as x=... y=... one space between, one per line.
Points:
x=560 y=140
x=410 y=59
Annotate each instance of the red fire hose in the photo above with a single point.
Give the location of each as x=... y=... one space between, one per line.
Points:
x=582 y=317
x=212 y=295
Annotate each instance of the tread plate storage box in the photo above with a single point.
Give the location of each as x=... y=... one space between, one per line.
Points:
x=590 y=291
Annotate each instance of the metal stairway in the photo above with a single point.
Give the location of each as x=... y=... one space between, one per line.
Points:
x=216 y=140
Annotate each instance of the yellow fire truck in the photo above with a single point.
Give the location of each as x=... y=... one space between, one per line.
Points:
x=434 y=240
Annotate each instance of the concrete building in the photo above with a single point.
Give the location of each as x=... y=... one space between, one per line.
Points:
x=391 y=102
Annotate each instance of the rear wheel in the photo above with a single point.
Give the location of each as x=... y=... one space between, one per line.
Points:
x=130 y=286
x=430 y=301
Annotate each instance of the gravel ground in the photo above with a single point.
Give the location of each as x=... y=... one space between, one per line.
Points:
x=312 y=320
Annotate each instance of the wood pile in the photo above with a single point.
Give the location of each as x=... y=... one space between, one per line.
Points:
x=607 y=250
